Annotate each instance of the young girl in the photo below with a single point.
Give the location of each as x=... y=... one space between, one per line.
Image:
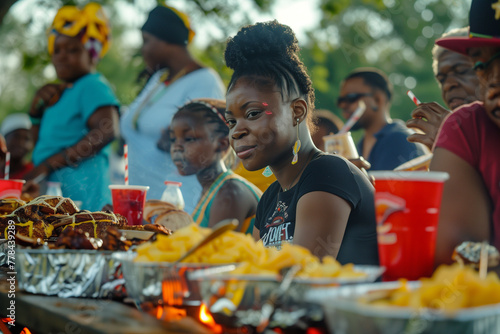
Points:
x=320 y=201
x=75 y=119
x=199 y=142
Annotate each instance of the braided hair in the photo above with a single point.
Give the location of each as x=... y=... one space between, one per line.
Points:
x=212 y=112
x=270 y=50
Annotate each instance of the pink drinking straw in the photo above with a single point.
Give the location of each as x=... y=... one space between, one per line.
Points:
x=7 y=166
x=413 y=97
x=354 y=118
x=125 y=155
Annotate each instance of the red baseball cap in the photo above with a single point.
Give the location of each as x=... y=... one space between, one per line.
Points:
x=484 y=30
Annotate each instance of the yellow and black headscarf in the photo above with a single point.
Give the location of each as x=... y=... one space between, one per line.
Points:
x=90 y=23
x=169 y=25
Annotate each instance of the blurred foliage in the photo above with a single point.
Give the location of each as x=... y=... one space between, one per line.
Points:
x=395 y=36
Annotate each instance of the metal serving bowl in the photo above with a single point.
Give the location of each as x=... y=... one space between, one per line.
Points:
x=156 y=284
x=345 y=314
x=240 y=297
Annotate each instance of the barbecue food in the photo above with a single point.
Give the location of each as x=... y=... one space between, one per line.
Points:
x=48 y=216
x=93 y=223
x=469 y=253
x=32 y=229
x=45 y=205
x=72 y=238
x=156 y=228
x=8 y=205
x=166 y=214
x=114 y=240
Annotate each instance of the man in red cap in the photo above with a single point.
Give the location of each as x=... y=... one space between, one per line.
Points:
x=467 y=145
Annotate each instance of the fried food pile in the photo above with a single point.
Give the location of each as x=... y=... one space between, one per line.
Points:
x=451 y=287
x=234 y=247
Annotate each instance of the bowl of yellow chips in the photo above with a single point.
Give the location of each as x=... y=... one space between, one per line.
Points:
x=454 y=300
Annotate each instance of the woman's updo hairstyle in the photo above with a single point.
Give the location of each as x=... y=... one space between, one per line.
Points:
x=270 y=50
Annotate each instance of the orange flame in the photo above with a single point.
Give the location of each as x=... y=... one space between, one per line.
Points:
x=159 y=312
x=207 y=319
x=6 y=330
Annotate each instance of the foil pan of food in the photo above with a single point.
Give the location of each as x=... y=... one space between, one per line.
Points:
x=70 y=272
x=458 y=303
x=239 y=298
x=152 y=285
x=4 y=260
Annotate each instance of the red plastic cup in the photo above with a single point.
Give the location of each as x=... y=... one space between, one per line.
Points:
x=129 y=201
x=11 y=188
x=407 y=210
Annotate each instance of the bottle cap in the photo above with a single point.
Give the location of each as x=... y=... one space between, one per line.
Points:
x=174 y=183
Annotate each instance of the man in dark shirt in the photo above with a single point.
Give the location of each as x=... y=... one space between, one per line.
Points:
x=384 y=143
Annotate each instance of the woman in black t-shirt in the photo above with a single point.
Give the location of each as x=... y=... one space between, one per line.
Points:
x=320 y=201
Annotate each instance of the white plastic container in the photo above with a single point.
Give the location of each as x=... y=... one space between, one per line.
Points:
x=173 y=194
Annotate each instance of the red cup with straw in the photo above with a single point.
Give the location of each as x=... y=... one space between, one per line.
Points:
x=129 y=200
x=10 y=188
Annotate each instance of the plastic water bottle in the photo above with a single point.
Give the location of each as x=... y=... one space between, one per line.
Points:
x=54 y=188
x=173 y=194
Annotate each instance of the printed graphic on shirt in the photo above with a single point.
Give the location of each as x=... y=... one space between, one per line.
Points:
x=278 y=229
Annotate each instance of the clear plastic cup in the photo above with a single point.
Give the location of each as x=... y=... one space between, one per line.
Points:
x=407 y=210
x=341 y=144
x=11 y=188
x=129 y=201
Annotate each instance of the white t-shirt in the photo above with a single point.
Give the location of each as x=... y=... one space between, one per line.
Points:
x=148 y=165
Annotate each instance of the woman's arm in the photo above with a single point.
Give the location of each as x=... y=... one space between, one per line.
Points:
x=465 y=212
x=320 y=222
x=256 y=234
x=103 y=128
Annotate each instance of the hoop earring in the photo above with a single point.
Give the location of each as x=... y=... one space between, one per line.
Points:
x=296 y=146
x=267 y=172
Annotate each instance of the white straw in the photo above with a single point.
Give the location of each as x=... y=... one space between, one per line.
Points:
x=7 y=165
x=125 y=155
x=354 y=118
x=413 y=97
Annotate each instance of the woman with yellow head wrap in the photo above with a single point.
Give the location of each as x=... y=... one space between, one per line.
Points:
x=176 y=78
x=90 y=24
x=76 y=118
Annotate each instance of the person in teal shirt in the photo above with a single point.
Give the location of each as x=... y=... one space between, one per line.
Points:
x=75 y=119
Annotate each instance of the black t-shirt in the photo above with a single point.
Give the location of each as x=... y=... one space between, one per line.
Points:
x=275 y=217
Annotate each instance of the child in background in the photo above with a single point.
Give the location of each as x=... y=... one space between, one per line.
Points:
x=198 y=144
x=16 y=130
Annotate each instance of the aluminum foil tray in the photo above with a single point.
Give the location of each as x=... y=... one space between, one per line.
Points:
x=3 y=252
x=241 y=297
x=345 y=314
x=70 y=273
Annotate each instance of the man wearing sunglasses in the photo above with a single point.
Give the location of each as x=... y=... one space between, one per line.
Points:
x=467 y=144
x=384 y=143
